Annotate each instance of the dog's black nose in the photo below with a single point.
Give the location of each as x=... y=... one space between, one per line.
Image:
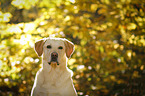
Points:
x=54 y=56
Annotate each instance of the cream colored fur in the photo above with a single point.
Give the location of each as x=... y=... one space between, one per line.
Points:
x=50 y=80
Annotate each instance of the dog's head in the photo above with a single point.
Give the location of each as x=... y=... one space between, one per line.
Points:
x=54 y=50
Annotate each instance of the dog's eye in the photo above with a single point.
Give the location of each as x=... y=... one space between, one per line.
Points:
x=48 y=46
x=60 y=47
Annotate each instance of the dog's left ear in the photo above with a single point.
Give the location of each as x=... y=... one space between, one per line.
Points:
x=69 y=48
x=39 y=47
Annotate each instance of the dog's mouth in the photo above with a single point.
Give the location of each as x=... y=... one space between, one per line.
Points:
x=54 y=61
x=53 y=64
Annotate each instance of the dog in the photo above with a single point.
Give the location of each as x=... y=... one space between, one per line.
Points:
x=54 y=78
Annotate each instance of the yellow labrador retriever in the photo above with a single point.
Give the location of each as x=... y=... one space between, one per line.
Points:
x=54 y=78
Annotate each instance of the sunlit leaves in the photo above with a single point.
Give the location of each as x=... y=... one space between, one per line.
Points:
x=5 y=17
x=94 y=7
x=108 y=36
x=131 y=26
x=26 y=4
x=137 y=40
x=49 y=3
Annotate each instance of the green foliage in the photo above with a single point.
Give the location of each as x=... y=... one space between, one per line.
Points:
x=109 y=38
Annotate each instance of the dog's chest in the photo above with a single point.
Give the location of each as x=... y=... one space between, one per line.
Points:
x=55 y=82
x=52 y=78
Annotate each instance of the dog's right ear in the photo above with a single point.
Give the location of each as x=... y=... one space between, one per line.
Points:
x=39 y=47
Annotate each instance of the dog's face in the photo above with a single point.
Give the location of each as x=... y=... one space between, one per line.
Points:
x=54 y=50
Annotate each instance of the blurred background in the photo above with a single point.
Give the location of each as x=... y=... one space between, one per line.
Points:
x=109 y=38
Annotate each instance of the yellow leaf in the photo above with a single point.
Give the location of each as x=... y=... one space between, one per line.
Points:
x=129 y=53
x=102 y=11
x=71 y=61
x=22 y=89
x=131 y=26
x=135 y=74
x=94 y=7
x=83 y=42
x=5 y=17
x=67 y=18
x=97 y=66
x=112 y=78
x=142 y=67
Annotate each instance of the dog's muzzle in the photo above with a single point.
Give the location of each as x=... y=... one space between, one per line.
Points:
x=54 y=57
